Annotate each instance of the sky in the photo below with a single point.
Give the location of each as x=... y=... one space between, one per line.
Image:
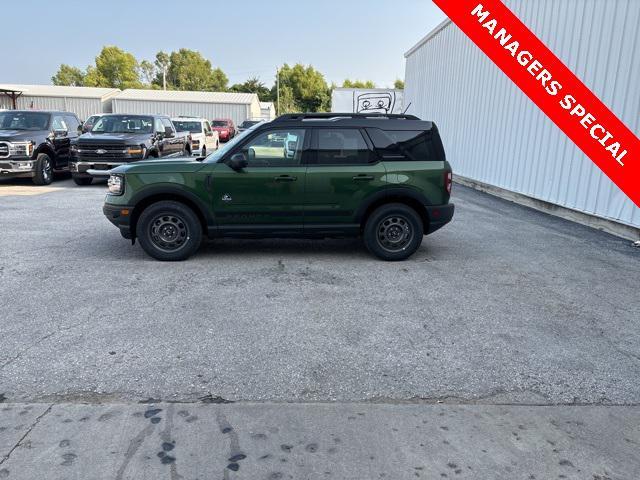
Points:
x=356 y=39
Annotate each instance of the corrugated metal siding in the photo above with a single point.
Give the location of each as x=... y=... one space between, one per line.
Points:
x=82 y=107
x=237 y=112
x=494 y=134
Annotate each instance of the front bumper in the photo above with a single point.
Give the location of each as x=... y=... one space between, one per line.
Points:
x=439 y=216
x=80 y=168
x=120 y=216
x=17 y=167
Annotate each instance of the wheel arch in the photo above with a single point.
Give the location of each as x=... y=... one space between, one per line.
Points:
x=194 y=203
x=408 y=197
x=44 y=148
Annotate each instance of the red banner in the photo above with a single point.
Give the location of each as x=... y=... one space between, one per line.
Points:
x=553 y=87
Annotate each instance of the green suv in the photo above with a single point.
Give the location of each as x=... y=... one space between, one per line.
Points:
x=382 y=177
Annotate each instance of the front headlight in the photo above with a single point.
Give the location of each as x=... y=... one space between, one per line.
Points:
x=116 y=184
x=21 y=149
x=135 y=150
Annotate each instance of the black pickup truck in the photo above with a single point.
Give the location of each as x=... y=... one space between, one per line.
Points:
x=116 y=139
x=35 y=144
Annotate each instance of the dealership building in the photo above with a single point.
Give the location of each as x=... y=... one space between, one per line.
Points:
x=236 y=106
x=83 y=101
x=499 y=141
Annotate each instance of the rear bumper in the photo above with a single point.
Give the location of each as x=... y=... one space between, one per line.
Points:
x=439 y=216
x=120 y=216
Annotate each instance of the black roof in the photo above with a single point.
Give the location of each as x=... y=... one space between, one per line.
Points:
x=379 y=120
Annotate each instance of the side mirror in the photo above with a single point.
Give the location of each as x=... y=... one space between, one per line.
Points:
x=238 y=161
x=60 y=133
x=168 y=132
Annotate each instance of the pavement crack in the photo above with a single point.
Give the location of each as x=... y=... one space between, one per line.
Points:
x=23 y=438
x=45 y=338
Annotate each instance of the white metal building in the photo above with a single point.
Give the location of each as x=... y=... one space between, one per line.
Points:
x=236 y=106
x=268 y=111
x=366 y=100
x=83 y=101
x=495 y=135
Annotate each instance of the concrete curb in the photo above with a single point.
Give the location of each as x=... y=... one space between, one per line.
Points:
x=599 y=223
x=342 y=441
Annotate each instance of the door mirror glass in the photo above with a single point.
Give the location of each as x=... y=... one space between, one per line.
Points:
x=60 y=133
x=168 y=132
x=238 y=161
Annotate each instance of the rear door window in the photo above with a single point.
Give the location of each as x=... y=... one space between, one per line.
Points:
x=344 y=146
x=401 y=144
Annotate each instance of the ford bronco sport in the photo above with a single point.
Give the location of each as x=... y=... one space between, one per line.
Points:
x=382 y=177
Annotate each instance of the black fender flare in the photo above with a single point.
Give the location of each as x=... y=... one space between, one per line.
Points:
x=393 y=192
x=203 y=210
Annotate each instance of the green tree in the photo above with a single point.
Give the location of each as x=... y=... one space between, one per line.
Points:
x=68 y=76
x=189 y=70
x=358 y=84
x=399 y=84
x=114 y=68
x=302 y=88
x=253 y=85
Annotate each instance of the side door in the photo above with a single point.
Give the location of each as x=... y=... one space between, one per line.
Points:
x=343 y=172
x=266 y=197
x=209 y=138
x=160 y=141
x=173 y=145
x=73 y=131
x=61 y=141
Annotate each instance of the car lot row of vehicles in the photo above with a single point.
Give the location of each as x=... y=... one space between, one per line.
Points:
x=38 y=144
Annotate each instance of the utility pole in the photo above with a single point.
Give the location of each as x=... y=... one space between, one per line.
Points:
x=164 y=77
x=278 y=90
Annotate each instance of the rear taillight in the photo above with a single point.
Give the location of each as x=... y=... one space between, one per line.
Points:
x=448 y=181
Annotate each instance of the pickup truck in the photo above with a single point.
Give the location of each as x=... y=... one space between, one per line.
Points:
x=117 y=139
x=36 y=144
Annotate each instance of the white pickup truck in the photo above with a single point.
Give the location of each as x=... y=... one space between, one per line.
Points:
x=204 y=139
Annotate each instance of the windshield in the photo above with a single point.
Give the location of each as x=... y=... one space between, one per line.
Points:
x=193 y=127
x=24 y=121
x=218 y=154
x=123 y=124
x=219 y=123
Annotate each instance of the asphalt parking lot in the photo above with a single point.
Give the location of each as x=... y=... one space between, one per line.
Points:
x=503 y=306
x=507 y=347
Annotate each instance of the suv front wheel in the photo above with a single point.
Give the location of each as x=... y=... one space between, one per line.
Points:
x=393 y=232
x=169 y=231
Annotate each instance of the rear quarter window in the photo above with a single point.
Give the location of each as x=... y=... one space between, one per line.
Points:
x=402 y=144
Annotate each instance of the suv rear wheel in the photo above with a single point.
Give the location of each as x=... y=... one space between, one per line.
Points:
x=169 y=231
x=393 y=232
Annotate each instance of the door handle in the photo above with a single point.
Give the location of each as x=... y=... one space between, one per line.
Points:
x=285 y=178
x=363 y=177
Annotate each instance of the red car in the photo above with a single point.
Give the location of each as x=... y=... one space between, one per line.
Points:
x=225 y=128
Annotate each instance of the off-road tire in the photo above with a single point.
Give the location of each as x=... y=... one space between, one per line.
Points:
x=44 y=170
x=393 y=232
x=169 y=231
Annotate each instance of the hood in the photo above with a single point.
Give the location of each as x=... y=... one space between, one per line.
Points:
x=110 y=137
x=175 y=165
x=21 y=135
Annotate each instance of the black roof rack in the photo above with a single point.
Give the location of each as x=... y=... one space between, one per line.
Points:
x=337 y=116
